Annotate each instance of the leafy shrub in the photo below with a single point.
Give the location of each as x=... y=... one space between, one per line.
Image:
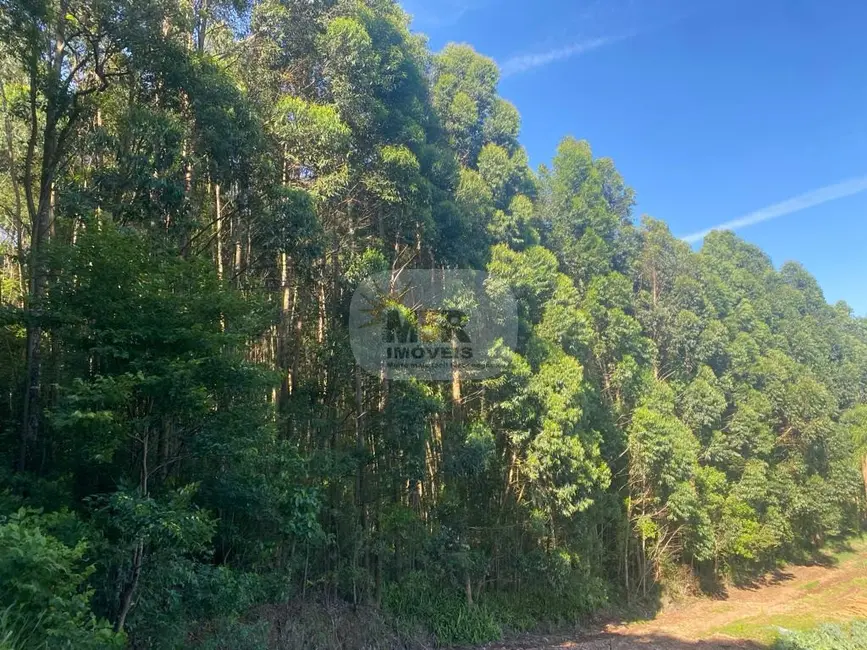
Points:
x=44 y=593
x=827 y=637
x=444 y=612
x=179 y=597
x=526 y=609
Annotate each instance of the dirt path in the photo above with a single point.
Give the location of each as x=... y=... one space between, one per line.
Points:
x=796 y=598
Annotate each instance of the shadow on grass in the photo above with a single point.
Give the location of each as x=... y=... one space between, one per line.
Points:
x=830 y=555
x=769 y=579
x=662 y=642
x=833 y=552
x=711 y=586
x=618 y=642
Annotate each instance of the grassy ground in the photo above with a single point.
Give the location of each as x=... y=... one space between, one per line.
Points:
x=833 y=589
x=797 y=598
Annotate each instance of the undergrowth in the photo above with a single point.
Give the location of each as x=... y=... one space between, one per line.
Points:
x=416 y=600
x=448 y=617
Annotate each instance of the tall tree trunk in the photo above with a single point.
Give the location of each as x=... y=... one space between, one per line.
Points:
x=864 y=473
x=40 y=215
x=17 y=214
x=284 y=331
x=201 y=26
x=131 y=585
x=130 y=588
x=218 y=231
x=360 y=500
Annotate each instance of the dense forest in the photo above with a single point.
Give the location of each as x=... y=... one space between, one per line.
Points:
x=190 y=192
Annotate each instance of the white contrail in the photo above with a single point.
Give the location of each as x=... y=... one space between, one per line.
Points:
x=789 y=206
x=523 y=63
x=441 y=13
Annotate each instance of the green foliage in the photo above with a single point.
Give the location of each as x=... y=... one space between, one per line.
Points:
x=827 y=637
x=566 y=604
x=45 y=599
x=444 y=612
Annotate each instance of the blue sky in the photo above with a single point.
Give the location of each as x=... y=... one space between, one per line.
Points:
x=753 y=111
